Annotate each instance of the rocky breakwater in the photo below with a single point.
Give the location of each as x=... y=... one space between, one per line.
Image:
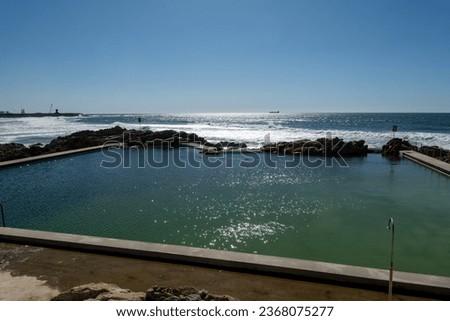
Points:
x=436 y=152
x=82 y=139
x=223 y=147
x=89 y=138
x=396 y=145
x=165 y=138
x=112 y=292
x=319 y=147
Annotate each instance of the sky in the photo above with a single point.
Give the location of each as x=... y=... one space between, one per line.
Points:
x=152 y=56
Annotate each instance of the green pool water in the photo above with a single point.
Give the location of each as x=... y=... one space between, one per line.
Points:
x=248 y=203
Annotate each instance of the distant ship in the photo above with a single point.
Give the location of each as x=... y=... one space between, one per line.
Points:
x=7 y=114
x=274 y=112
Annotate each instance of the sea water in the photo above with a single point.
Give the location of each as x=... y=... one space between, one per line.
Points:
x=317 y=209
x=251 y=128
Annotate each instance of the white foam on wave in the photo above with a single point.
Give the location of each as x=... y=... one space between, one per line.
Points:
x=256 y=135
x=30 y=130
x=253 y=132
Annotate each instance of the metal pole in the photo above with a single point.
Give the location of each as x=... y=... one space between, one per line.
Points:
x=391 y=270
x=3 y=215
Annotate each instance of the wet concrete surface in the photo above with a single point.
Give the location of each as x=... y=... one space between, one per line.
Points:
x=61 y=270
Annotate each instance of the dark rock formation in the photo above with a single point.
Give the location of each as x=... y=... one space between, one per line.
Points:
x=165 y=138
x=82 y=139
x=90 y=138
x=319 y=147
x=112 y=292
x=231 y=145
x=395 y=145
x=162 y=293
x=221 y=146
x=436 y=152
x=171 y=138
x=99 y=292
x=13 y=151
x=85 y=138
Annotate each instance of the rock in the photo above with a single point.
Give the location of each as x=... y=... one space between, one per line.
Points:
x=353 y=148
x=162 y=293
x=161 y=139
x=13 y=151
x=89 y=138
x=85 y=138
x=270 y=148
x=319 y=147
x=347 y=149
x=123 y=295
x=335 y=147
x=395 y=145
x=117 y=130
x=436 y=152
x=194 y=297
x=212 y=151
x=183 y=136
x=194 y=138
x=99 y=292
x=230 y=145
x=112 y=292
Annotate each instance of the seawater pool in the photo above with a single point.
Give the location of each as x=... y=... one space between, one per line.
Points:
x=256 y=203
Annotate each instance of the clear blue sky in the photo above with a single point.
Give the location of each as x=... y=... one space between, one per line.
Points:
x=207 y=56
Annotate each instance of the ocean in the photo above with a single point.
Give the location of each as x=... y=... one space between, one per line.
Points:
x=431 y=129
x=330 y=213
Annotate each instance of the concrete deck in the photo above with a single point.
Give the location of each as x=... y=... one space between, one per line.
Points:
x=328 y=273
x=40 y=273
x=430 y=162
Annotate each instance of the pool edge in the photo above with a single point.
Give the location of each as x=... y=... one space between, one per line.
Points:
x=43 y=157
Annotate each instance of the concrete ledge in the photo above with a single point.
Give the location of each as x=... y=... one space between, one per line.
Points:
x=54 y=155
x=428 y=285
x=427 y=161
